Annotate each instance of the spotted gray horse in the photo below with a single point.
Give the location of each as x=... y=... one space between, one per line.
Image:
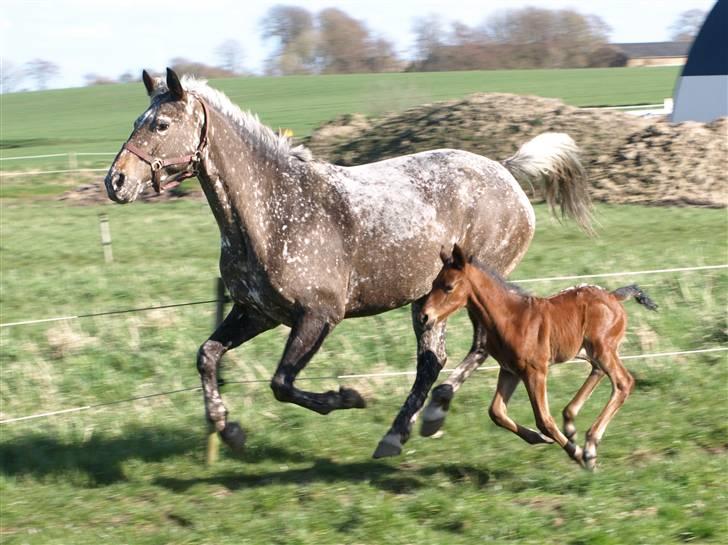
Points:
x=307 y=244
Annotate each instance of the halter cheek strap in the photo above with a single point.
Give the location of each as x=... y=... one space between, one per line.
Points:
x=158 y=165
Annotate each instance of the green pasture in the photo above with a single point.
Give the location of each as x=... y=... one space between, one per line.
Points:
x=134 y=473
x=99 y=119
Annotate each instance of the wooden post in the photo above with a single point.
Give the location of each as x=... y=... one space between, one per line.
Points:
x=72 y=161
x=213 y=441
x=106 y=237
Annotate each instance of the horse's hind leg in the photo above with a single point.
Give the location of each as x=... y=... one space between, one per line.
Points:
x=582 y=395
x=622 y=385
x=239 y=326
x=433 y=417
x=305 y=339
x=431 y=358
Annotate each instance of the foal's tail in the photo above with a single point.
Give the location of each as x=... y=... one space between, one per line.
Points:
x=633 y=290
x=552 y=159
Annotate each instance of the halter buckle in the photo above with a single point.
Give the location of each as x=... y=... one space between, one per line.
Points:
x=156 y=165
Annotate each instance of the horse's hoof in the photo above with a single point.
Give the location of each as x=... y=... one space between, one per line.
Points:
x=233 y=436
x=389 y=446
x=351 y=399
x=431 y=427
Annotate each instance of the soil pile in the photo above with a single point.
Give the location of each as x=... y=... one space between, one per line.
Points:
x=629 y=159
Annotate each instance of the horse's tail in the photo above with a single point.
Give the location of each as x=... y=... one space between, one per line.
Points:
x=633 y=290
x=552 y=159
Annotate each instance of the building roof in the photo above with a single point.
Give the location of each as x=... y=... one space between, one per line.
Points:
x=654 y=49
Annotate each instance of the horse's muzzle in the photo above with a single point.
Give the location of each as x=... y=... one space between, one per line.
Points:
x=118 y=187
x=426 y=321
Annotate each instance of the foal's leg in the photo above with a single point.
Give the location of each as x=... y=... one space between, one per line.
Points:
x=433 y=417
x=240 y=325
x=431 y=358
x=535 y=382
x=572 y=409
x=304 y=340
x=622 y=385
x=507 y=383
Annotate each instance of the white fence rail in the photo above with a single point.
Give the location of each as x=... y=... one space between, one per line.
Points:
x=71 y=157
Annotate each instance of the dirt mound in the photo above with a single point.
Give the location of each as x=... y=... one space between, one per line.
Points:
x=629 y=159
x=667 y=164
x=95 y=193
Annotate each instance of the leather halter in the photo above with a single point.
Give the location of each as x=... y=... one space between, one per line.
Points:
x=192 y=160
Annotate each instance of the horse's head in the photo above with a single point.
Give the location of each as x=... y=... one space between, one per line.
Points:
x=166 y=144
x=450 y=289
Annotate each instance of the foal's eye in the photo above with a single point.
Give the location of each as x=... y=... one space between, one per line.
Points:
x=448 y=288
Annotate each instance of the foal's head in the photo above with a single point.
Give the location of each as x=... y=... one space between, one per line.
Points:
x=450 y=289
x=164 y=146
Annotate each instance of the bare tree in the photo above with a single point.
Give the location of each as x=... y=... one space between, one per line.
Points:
x=128 y=77
x=429 y=36
x=41 y=71
x=516 y=38
x=95 y=79
x=186 y=66
x=10 y=76
x=345 y=45
x=687 y=25
x=342 y=42
x=231 y=55
x=293 y=28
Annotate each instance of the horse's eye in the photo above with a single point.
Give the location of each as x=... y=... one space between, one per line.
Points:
x=162 y=126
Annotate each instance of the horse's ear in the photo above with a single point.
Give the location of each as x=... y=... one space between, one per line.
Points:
x=174 y=85
x=149 y=82
x=444 y=256
x=458 y=257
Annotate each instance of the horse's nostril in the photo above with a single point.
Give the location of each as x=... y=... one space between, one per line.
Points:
x=119 y=181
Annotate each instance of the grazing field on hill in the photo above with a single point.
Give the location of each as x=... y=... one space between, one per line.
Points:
x=98 y=119
x=135 y=473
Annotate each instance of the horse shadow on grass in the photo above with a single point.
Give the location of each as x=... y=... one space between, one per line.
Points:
x=100 y=460
x=402 y=479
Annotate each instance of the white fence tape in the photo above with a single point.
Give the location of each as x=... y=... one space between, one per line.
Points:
x=337 y=377
x=523 y=281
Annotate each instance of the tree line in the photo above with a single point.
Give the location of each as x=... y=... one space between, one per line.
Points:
x=333 y=42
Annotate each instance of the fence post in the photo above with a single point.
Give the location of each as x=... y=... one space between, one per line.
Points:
x=72 y=160
x=213 y=441
x=106 y=237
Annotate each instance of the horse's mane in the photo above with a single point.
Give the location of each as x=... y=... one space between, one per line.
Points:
x=248 y=125
x=505 y=284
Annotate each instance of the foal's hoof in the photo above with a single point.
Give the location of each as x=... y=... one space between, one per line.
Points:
x=351 y=399
x=233 y=436
x=390 y=445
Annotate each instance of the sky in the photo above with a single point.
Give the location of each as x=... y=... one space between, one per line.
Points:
x=109 y=38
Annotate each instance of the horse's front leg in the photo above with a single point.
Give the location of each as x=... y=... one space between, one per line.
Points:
x=433 y=417
x=431 y=358
x=306 y=337
x=240 y=325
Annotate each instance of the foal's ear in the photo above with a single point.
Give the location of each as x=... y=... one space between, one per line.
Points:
x=458 y=257
x=174 y=86
x=150 y=82
x=444 y=256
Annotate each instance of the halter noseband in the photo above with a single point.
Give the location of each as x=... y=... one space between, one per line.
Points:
x=191 y=160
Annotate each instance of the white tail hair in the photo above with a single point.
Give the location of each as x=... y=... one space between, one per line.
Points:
x=551 y=160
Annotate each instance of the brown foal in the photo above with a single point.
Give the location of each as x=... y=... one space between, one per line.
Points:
x=525 y=334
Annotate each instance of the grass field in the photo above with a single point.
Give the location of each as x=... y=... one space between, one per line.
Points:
x=99 y=119
x=135 y=473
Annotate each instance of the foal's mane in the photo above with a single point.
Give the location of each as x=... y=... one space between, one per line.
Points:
x=505 y=284
x=251 y=130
